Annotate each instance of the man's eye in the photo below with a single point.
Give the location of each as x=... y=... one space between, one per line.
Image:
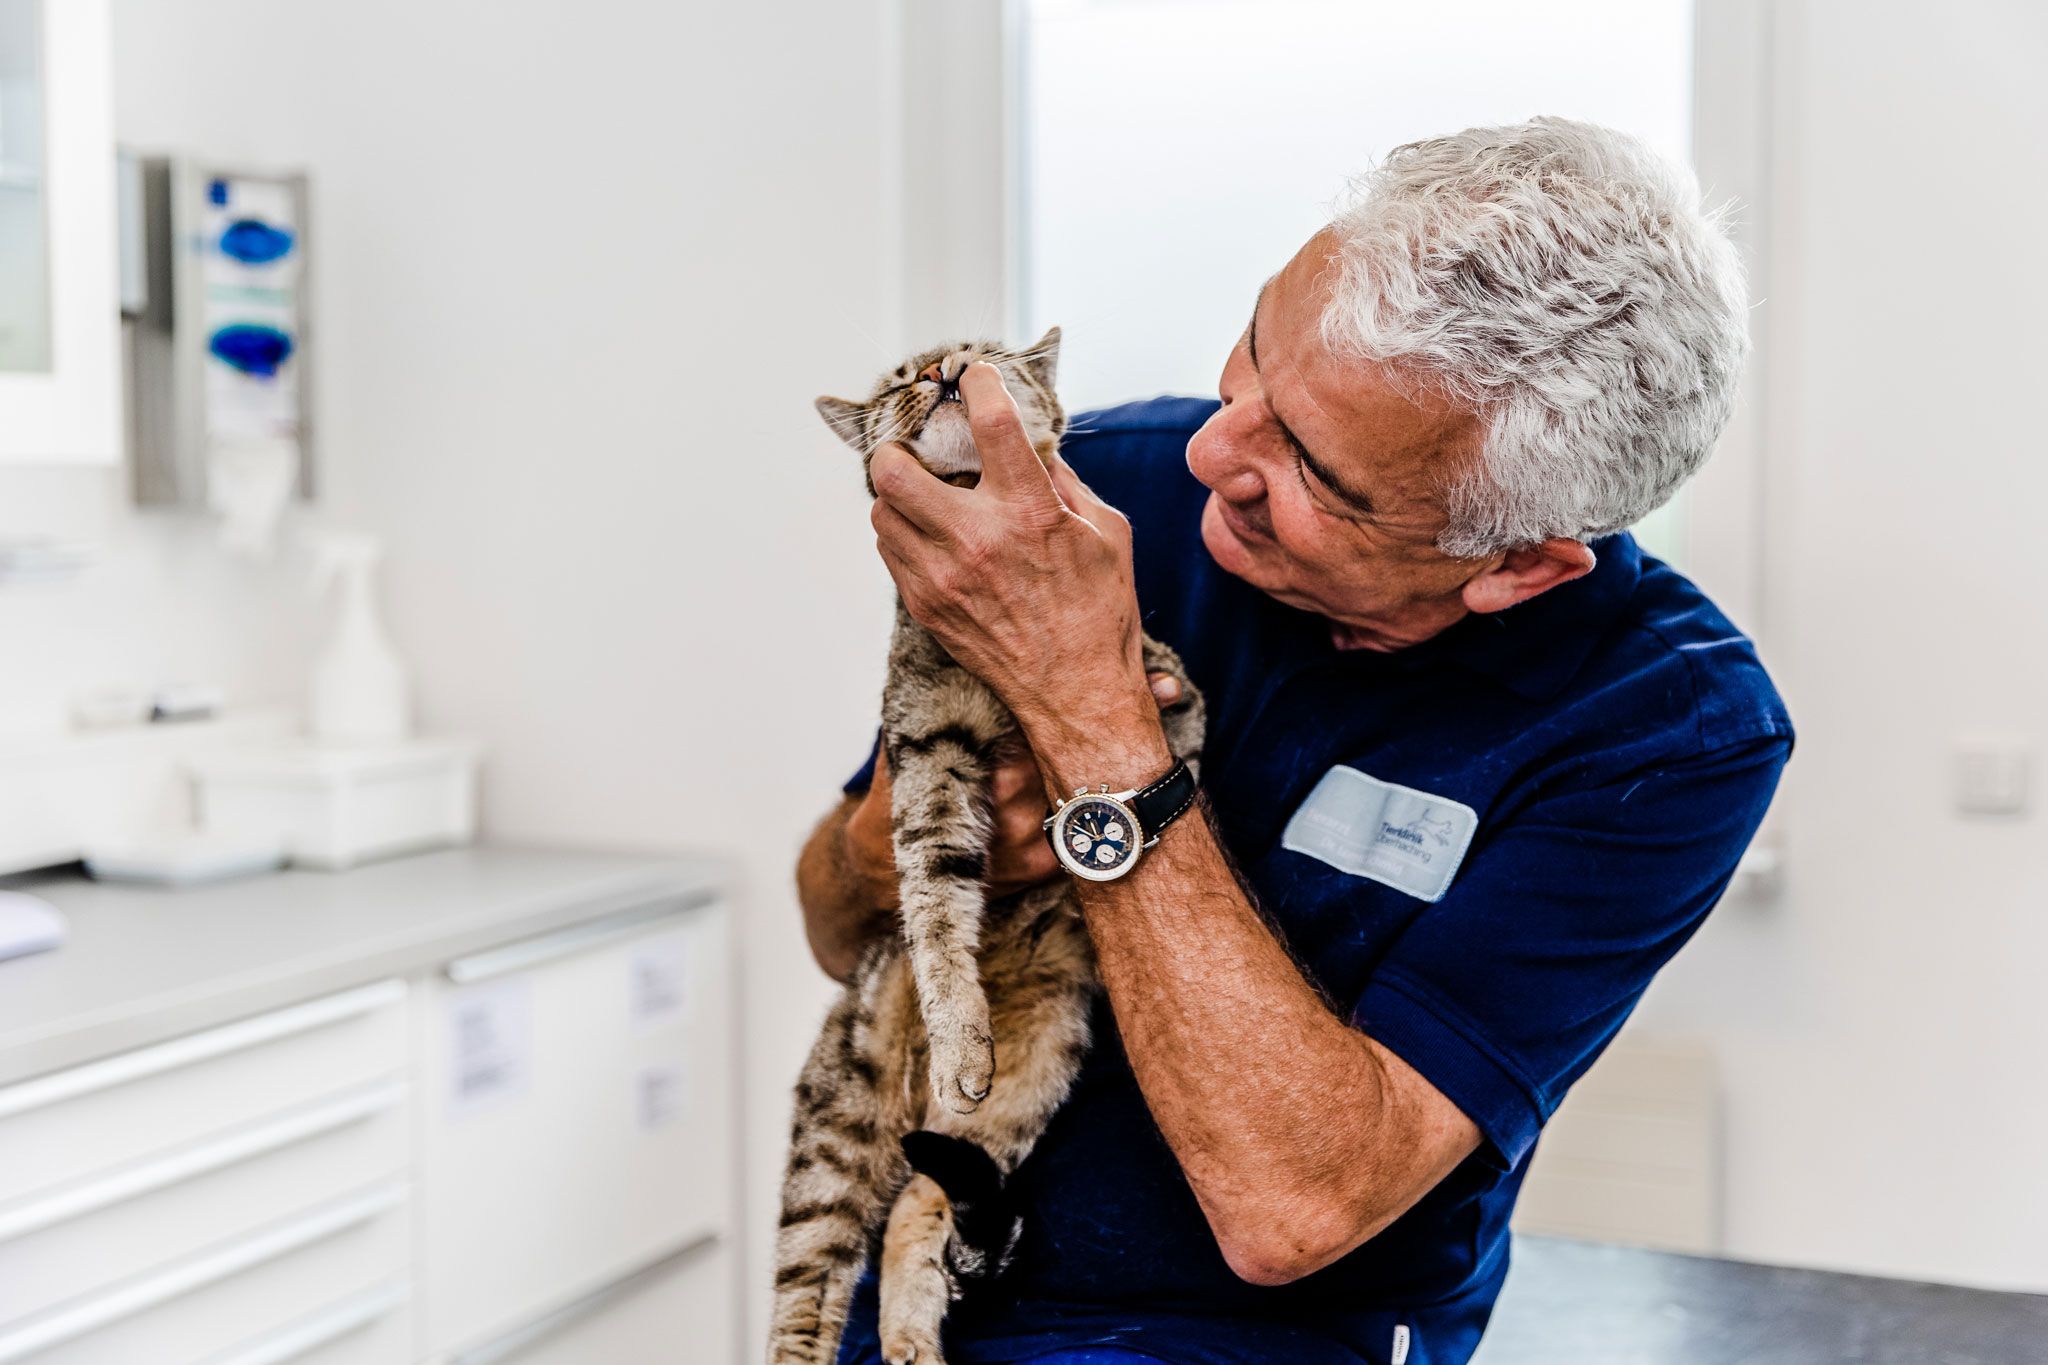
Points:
x=1301 y=471
x=1326 y=501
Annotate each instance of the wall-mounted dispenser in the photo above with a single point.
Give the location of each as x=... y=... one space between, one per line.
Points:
x=217 y=340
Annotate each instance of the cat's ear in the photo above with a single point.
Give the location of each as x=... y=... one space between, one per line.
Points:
x=847 y=420
x=1042 y=357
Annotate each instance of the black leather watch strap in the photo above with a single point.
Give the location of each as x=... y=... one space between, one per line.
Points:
x=1165 y=801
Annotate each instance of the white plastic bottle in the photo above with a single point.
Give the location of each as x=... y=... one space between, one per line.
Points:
x=360 y=690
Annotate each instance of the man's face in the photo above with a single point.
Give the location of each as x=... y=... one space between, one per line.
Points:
x=1324 y=477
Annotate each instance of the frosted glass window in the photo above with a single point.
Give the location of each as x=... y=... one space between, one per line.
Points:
x=1174 y=153
x=24 y=230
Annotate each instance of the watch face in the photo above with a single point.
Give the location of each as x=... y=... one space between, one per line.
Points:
x=1096 y=837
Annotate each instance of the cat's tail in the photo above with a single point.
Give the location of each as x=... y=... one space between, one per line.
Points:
x=834 y=1194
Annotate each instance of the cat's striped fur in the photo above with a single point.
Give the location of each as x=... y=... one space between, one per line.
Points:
x=952 y=1045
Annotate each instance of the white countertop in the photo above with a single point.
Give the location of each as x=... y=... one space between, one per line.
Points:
x=143 y=964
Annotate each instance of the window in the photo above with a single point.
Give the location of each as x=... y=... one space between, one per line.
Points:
x=1174 y=153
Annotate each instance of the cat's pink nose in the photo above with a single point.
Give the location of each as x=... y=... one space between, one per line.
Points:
x=947 y=376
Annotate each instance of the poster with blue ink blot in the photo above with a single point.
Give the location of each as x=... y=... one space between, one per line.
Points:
x=252 y=278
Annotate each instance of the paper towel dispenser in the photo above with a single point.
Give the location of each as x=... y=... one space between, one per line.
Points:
x=214 y=298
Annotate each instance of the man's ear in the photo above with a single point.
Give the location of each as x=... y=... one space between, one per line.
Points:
x=1042 y=357
x=1525 y=572
x=848 y=420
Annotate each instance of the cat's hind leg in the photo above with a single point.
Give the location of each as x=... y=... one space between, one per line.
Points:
x=916 y=1284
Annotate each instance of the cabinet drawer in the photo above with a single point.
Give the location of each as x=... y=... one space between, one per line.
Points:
x=369 y=1328
x=68 y=1125
x=230 y=1297
x=676 y=1309
x=82 y=1237
x=576 y=1116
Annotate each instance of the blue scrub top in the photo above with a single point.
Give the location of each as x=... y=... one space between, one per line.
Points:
x=1619 y=742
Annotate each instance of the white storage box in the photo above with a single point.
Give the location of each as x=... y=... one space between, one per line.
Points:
x=335 y=807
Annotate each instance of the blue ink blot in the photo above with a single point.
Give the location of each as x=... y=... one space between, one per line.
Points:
x=251 y=348
x=255 y=243
x=217 y=193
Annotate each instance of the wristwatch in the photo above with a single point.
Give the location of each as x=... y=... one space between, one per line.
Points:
x=1098 y=835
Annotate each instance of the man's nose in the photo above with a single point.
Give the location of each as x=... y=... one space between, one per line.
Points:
x=1215 y=458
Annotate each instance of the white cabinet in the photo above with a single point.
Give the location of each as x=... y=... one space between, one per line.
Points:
x=110 y=1114
x=576 y=1135
x=525 y=1155
x=59 y=315
x=676 y=1311
x=235 y=1296
x=198 y=1199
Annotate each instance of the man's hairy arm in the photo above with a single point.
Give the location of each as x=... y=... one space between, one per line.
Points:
x=1300 y=1136
x=846 y=900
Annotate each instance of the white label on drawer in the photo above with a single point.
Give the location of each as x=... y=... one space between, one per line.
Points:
x=659 y=978
x=658 y=1095
x=490 y=1044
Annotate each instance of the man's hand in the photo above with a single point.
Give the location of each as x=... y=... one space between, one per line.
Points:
x=1026 y=580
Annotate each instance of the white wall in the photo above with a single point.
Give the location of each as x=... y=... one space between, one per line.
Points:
x=580 y=269
x=160 y=604
x=1881 y=1025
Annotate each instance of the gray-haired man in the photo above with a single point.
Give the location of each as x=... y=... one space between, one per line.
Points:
x=1477 y=767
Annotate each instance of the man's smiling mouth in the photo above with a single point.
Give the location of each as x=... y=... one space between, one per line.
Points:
x=1242 y=526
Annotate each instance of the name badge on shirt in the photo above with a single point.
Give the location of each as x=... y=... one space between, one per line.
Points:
x=1398 y=836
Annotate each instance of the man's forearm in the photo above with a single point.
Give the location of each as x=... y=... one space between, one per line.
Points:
x=846 y=902
x=1297 y=1133
x=1270 y=1103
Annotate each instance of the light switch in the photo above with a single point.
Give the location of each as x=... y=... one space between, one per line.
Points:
x=1993 y=776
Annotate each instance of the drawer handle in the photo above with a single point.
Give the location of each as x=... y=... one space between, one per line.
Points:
x=146 y=1177
x=197 y=1047
x=555 y=1319
x=577 y=938
x=329 y=1324
x=156 y=1287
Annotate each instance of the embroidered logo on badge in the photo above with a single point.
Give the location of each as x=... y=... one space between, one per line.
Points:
x=1398 y=836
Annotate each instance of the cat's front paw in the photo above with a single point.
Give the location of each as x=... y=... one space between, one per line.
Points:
x=963 y=1068
x=911 y=1348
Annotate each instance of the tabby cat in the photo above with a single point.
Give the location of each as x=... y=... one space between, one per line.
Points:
x=951 y=1047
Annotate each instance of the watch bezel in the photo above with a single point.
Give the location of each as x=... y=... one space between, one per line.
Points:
x=1056 y=825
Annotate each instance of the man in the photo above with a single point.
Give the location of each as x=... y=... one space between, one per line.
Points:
x=1476 y=766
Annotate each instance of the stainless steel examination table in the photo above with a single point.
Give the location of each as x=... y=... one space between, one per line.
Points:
x=1573 y=1303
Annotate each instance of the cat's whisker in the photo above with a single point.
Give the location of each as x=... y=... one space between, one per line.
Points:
x=898 y=428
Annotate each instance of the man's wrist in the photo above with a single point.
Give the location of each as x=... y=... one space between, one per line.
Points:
x=1122 y=744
